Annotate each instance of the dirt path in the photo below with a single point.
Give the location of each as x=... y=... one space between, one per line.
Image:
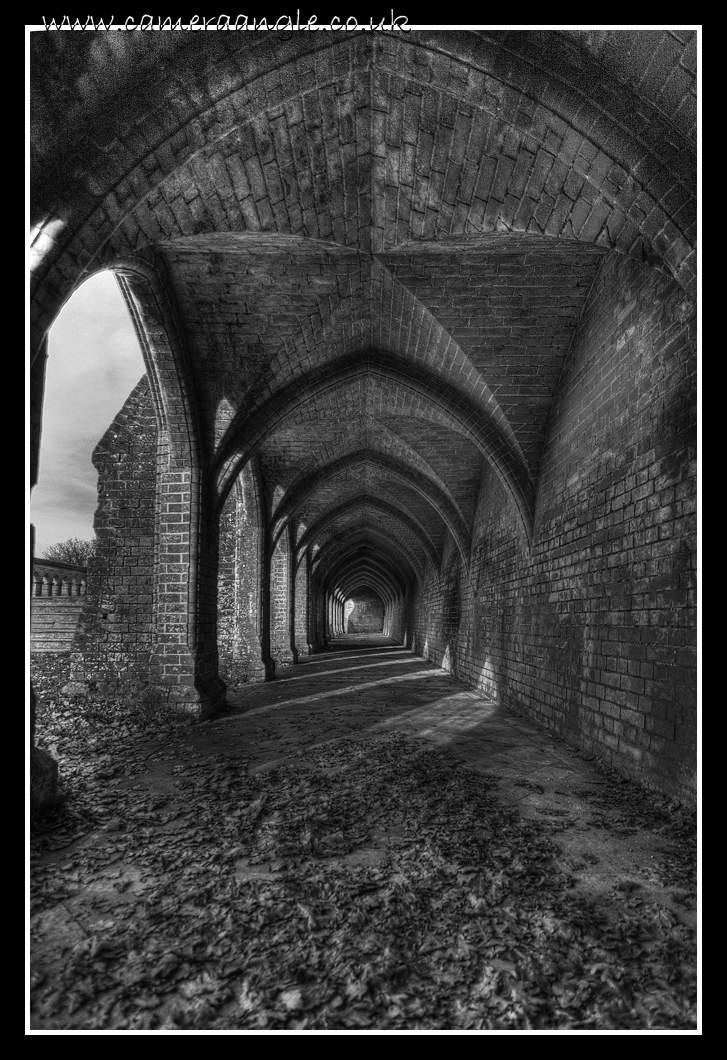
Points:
x=363 y=843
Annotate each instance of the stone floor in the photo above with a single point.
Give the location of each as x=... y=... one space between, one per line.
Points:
x=367 y=684
x=612 y=838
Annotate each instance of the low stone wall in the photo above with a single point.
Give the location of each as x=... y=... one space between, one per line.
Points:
x=57 y=603
x=54 y=622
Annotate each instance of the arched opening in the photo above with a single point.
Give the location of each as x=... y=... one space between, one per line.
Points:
x=364 y=612
x=94 y=361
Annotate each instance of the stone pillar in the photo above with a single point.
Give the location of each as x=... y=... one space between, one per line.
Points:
x=239 y=597
x=292 y=608
x=280 y=601
x=310 y=618
x=301 y=609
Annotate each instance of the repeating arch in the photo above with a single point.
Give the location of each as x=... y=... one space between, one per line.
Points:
x=443 y=505
x=247 y=432
x=366 y=502
x=361 y=544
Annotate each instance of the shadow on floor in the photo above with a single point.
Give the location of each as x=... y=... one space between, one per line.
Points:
x=361 y=843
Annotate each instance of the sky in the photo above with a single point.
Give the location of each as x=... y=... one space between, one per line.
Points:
x=94 y=362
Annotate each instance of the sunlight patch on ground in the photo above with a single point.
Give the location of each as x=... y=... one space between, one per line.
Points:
x=346 y=690
x=344 y=669
x=466 y=718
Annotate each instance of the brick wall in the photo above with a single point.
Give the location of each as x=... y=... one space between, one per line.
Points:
x=280 y=601
x=149 y=624
x=395 y=619
x=301 y=610
x=591 y=629
x=436 y=612
x=117 y=631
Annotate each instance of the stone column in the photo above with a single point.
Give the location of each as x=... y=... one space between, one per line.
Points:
x=280 y=600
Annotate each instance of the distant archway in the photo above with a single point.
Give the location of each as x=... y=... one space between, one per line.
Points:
x=364 y=612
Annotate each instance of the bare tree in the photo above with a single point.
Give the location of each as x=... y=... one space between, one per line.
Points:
x=74 y=550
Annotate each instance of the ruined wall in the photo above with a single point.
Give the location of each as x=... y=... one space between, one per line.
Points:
x=591 y=631
x=134 y=635
x=116 y=633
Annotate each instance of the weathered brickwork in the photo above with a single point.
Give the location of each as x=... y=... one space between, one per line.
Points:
x=280 y=604
x=240 y=586
x=228 y=604
x=592 y=630
x=436 y=612
x=396 y=622
x=137 y=630
x=301 y=619
x=118 y=630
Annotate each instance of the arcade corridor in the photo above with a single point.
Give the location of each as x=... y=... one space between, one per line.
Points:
x=418 y=314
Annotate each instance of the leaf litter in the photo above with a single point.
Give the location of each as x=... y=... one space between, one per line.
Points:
x=372 y=883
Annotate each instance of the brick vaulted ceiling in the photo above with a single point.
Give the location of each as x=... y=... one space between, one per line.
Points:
x=368 y=254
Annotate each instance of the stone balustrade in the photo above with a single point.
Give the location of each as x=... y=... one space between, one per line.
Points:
x=58 y=579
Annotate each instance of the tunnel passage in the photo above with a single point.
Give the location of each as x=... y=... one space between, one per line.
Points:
x=416 y=312
x=364 y=612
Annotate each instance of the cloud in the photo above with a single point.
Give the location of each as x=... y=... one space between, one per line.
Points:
x=94 y=362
